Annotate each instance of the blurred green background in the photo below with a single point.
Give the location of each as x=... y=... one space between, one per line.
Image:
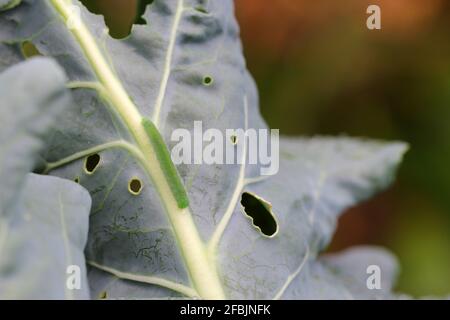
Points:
x=321 y=71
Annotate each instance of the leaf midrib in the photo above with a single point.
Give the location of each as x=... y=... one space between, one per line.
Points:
x=203 y=273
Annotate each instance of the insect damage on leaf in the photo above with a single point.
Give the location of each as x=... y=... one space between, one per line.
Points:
x=142 y=6
x=135 y=186
x=201 y=9
x=91 y=163
x=234 y=139
x=180 y=34
x=260 y=211
x=207 y=81
x=167 y=166
x=29 y=50
x=119 y=22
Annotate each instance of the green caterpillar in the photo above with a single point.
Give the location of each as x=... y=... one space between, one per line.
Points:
x=167 y=166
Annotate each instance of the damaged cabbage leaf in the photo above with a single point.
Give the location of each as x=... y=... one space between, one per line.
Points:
x=43 y=220
x=319 y=178
x=186 y=65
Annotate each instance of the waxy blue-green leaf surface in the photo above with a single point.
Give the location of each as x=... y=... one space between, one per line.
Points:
x=43 y=220
x=162 y=65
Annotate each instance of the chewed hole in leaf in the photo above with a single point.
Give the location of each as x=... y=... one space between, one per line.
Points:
x=119 y=15
x=91 y=163
x=260 y=211
x=207 y=81
x=135 y=186
x=142 y=5
x=201 y=9
x=29 y=50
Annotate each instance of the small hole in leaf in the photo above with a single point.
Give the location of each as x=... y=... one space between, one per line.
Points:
x=234 y=139
x=207 y=80
x=103 y=295
x=135 y=186
x=119 y=15
x=91 y=163
x=142 y=6
x=29 y=49
x=201 y=9
x=261 y=213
